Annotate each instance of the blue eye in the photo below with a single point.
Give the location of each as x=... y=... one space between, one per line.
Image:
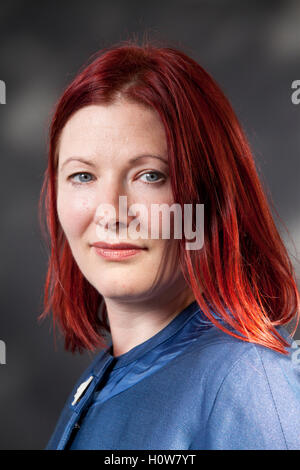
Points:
x=155 y=174
x=83 y=177
x=83 y=180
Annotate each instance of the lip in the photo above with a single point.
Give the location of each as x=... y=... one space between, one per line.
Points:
x=118 y=251
x=117 y=246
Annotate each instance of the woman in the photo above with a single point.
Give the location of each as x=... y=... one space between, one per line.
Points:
x=197 y=355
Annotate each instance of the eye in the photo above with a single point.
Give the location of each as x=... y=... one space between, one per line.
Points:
x=153 y=177
x=83 y=176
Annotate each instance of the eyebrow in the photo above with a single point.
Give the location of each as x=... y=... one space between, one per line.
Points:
x=131 y=161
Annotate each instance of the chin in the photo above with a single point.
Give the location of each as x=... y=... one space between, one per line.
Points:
x=117 y=289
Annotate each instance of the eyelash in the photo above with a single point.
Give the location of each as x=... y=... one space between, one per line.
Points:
x=76 y=183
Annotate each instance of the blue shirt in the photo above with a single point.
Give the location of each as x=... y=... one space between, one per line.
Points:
x=190 y=386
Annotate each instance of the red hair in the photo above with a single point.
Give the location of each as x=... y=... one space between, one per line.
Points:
x=243 y=268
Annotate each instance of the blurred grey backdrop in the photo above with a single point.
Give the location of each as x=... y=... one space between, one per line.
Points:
x=252 y=49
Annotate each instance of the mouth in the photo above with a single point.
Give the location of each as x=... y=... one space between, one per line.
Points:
x=118 y=251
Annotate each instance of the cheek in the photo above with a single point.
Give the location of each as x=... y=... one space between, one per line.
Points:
x=75 y=213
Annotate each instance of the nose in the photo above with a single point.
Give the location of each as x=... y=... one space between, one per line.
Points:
x=111 y=206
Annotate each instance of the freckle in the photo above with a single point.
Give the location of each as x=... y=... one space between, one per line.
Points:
x=85 y=204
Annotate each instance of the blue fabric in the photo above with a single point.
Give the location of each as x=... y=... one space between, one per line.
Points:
x=190 y=386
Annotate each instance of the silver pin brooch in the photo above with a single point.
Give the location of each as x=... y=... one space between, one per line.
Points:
x=81 y=389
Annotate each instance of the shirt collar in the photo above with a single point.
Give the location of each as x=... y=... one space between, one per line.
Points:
x=133 y=354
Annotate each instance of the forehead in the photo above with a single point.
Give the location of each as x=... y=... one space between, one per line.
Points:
x=120 y=128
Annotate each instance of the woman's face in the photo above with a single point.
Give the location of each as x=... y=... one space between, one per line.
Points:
x=98 y=162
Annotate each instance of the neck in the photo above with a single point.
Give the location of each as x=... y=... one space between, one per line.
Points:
x=134 y=323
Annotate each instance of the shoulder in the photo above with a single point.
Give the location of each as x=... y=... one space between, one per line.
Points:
x=252 y=393
x=216 y=349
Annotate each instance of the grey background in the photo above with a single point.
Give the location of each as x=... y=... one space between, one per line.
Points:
x=252 y=49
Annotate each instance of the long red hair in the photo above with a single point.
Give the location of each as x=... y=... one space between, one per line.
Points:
x=243 y=270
